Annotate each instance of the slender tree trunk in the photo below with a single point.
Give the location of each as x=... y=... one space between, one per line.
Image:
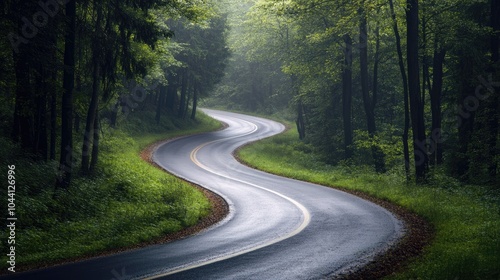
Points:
x=195 y=101
x=40 y=147
x=406 y=149
x=91 y=116
x=95 y=144
x=171 y=94
x=465 y=117
x=437 y=86
x=368 y=101
x=184 y=87
x=94 y=100
x=347 y=97
x=417 y=118
x=23 y=108
x=423 y=50
x=376 y=64
x=23 y=59
x=363 y=42
x=53 y=97
x=160 y=103
x=378 y=154
x=188 y=99
x=53 y=119
x=494 y=110
x=301 y=128
x=66 y=159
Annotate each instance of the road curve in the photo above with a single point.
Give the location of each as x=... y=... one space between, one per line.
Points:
x=277 y=228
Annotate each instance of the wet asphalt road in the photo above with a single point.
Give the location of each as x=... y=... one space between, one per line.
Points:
x=277 y=228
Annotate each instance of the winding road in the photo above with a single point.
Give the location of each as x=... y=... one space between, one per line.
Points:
x=278 y=228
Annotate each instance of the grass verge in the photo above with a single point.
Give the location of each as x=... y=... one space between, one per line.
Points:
x=127 y=202
x=466 y=218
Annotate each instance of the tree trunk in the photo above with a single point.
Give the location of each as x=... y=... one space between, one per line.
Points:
x=53 y=98
x=368 y=101
x=437 y=87
x=184 y=87
x=91 y=116
x=465 y=117
x=160 y=102
x=363 y=45
x=494 y=103
x=40 y=140
x=347 y=97
x=171 y=94
x=301 y=128
x=377 y=152
x=406 y=149
x=195 y=101
x=90 y=129
x=95 y=144
x=416 y=111
x=23 y=108
x=53 y=119
x=66 y=159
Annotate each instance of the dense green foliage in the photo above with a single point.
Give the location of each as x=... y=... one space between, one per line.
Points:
x=84 y=86
x=361 y=76
x=466 y=217
x=127 y=202
x=70 y=69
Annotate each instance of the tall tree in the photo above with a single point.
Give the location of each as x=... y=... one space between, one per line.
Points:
x=369 y=101
x=494 y=104
x=66 y=157
x=436 y=137
x=416 y=105
x=94 y=100
x=347 y=97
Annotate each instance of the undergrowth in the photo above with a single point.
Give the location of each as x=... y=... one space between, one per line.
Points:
x=466 y=218
x=126 y=202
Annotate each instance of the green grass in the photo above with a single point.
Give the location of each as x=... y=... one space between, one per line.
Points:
x=466 y=218
x=126 y=203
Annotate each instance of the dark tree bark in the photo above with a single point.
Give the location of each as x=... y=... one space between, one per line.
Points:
x=301 y=127
x=347 y=97
x=90 y=129
x=40 y=147
x=95 y=144
x=184 y=88
x=53 y=121
x=195 y=101
x=171 y=98
x=22 y=126
x=416 y=105
x=22 y=129
x=368 y=101
x=494 y=110
x=91 y=116
x=406 y=149
x=52 y=88
x=66 y=159
x=376 y=64
x=160 y=102
x=436 y=156
x=465 y=117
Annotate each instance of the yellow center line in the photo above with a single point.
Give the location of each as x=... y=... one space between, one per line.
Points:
x=302 y=208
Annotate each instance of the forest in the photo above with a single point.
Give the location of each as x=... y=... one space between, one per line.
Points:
x=85 y=87
x=405 y=91
x=395 y=84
